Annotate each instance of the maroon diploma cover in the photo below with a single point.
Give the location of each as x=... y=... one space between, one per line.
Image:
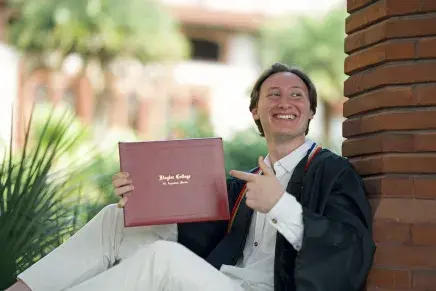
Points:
x=175 y=181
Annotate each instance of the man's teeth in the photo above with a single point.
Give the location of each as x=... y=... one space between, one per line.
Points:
x=289 y=116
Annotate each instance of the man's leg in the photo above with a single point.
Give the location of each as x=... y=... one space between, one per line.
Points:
x=161 y=266
x=92 y=250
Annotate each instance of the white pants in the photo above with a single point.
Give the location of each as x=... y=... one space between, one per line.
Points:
x=151 y=260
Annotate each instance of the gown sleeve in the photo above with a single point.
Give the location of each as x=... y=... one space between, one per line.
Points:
x=337 y=249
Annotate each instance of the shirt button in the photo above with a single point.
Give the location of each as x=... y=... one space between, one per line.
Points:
x=274 y=220
x=256 y=244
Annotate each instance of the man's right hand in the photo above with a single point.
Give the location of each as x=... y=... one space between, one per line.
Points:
x=123 y=187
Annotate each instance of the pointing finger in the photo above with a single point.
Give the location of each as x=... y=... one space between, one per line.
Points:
x=264 y=167
x=243 y=176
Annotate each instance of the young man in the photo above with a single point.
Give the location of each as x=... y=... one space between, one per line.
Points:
x=300 y=221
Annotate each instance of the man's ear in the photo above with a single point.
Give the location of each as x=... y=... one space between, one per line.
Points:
x=311 y=114
x=255 y=114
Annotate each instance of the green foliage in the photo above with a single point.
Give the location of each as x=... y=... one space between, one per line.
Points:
x=94 y=164
x=37 y=205
x=315 y=45
x=100 y=29
x=242 y=151
x=197 y=127
x=50 y=188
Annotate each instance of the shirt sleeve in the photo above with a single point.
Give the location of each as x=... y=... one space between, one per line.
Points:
x=287 y=217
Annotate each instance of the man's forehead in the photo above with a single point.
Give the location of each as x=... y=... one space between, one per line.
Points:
x=283 y=79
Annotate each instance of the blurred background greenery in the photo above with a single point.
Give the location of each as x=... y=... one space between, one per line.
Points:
x=90 y=73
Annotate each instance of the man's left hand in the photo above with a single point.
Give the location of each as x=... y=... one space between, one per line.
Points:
x=263 y=191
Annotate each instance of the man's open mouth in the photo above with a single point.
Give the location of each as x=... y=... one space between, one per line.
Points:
x=285 y=116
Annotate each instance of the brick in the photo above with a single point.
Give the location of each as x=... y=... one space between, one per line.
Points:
x=391 y=232
x=390 y=142
x=424 y=186
x=385 y=278
x=405 y=256
x=390 y=120
x=379 y=143
x=404 y=210
x=378 y=11
x=353 y=5
x=425 y=94
x=364 y=38
x=361 y=146
x=391 y=96
x=395 y=163
x=391 y=74
x=400 y=27
x=389 y=185
x=428 y=5
x=424 y=280
x=424 y=234
x=427 y=48
x=351 y=126
x=400 y=185
x=425 y=141
x=366 y=16
x=387 y=51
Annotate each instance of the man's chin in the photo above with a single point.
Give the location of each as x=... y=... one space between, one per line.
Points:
x=287 y=135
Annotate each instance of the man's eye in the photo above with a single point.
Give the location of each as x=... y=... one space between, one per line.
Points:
x=296 y=94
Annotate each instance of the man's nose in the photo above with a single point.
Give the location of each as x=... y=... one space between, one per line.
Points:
x=285 y=103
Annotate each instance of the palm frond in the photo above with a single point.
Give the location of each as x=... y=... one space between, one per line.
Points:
x=38 y=211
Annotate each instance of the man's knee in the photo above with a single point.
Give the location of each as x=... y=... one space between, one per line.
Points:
x=109 y=212
x=165 y=251
x=168 y=247
x=109 y=209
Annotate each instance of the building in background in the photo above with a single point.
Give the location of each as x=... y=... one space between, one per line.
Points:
x=216 y=78
x=8 y=77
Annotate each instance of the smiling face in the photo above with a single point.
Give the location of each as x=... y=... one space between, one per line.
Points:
x=283 y=107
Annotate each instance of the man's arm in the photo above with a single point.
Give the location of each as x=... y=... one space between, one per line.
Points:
x=287 y=217
x=19 y=286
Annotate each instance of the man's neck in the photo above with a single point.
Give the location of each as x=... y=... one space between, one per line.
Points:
x=281 y=147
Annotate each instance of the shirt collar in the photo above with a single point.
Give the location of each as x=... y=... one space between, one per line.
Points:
x=290 y=161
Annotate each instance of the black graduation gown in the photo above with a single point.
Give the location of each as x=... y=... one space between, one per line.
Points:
x=337 y=250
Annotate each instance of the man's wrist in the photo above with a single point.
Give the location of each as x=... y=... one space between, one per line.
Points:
x=286 y=209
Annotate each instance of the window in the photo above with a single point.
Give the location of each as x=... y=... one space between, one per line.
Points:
x=204 y=50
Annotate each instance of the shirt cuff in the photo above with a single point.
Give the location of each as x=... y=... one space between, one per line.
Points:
x=287 y=217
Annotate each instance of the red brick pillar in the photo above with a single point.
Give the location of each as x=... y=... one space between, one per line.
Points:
x=391 y=133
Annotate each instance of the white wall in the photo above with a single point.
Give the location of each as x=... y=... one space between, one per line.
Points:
x=8 y=88
x=264 y=6
x=229 y=92
x=242 y=51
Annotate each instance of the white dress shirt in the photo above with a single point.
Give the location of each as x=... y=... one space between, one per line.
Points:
x=255 y=269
